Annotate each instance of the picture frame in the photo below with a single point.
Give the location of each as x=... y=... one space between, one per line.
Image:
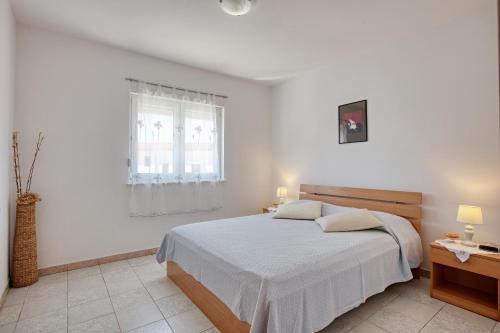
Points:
x=353 y=122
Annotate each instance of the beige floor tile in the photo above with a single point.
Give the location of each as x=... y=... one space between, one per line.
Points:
x=173 y=305
x=121 y=286
x=193 y=321
x=53 y=278
x=138 y=315
x=497 y=328
x=46 y=323
x=457 y=320
x=366 y=327
x=43 y=305
x=161 y=288
x=16 y=296
x=60 y=330
x=401 y=286
x=134 y=297
x=84 y=295
x=212 y=330
x=42 y=290
x=395 y=322
x=419 y=290
x=156 y=327
x=113 y=266
x=343 y=323
x=89 y=282
x=142 y=261
x=9 y=328
x=82 y=313
x=421 y=296
x=413 y=309
x=439 y=327
x=471 y=317
x=119 y=274
x=10 y=314
x=104 y=324
x=83 y=272
x=150 y=272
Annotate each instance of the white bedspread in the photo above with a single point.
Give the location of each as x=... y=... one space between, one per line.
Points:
x=289 y=276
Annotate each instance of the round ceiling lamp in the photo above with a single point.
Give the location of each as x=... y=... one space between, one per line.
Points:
x=236 y=7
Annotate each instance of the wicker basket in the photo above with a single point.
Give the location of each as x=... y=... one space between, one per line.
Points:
x=24 y=261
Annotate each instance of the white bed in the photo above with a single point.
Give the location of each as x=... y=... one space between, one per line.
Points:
x=289 y=276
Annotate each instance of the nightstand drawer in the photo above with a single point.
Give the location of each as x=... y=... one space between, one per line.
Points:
x=475 y=264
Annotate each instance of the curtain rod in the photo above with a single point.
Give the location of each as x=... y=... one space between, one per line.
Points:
x=169 y=87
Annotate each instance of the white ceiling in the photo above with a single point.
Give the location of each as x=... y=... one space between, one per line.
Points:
x=278 y=39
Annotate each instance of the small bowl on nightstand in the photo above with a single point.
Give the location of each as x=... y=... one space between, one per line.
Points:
x=452 y=237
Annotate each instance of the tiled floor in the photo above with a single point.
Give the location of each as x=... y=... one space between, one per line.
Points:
x=135 y=296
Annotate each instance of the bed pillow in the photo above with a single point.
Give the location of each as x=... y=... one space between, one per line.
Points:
x=359 y=219
x=329 y=209
x=303 y=210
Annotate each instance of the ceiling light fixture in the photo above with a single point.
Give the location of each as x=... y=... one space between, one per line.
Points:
x=236 y=7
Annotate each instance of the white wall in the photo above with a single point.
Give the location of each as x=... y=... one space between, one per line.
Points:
x=74 y=91
x=7 y=51
x=433 y=119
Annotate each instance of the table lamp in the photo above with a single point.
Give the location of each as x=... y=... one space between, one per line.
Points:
x=469 y=215
x=281 y=193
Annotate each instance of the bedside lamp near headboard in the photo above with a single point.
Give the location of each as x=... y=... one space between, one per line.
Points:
x=469 y=215
x=281 y=193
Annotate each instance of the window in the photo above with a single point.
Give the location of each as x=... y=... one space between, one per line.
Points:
x=174 y=137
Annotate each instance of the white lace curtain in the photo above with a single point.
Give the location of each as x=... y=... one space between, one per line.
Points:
x=176 y=137
x=149 y=200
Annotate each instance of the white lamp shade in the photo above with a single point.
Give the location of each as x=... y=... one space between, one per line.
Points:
x=469 y=214
x=282 y=192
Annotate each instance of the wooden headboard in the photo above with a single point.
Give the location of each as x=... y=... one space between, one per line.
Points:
x=404 y=204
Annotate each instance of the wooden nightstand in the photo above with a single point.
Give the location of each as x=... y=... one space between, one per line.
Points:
x=473 y=285
x=266 y=209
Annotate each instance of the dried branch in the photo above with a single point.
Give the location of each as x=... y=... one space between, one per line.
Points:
x=17 y=167
x=32 y=168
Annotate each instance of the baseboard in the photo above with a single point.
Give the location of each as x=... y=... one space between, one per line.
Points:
x=3 y=296
x=94 y=262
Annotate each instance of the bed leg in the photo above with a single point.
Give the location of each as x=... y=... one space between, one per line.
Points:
x=416 y=273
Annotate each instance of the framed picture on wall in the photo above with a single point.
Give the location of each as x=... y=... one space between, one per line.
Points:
x=353 y=122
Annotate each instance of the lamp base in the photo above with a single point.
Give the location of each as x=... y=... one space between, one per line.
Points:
x=469 y=234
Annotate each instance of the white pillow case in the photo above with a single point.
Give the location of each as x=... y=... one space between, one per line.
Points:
x=329 y=209
x=299 y=210
x=359 y=219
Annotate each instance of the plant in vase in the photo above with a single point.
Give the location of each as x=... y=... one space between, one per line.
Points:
x=24 y=260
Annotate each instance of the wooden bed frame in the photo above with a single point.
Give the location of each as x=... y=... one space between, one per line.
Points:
x=405 y=204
